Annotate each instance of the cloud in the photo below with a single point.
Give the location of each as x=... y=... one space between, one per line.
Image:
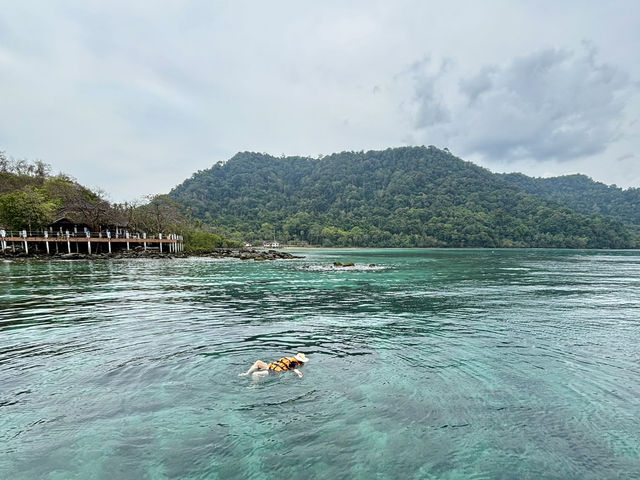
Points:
x=473 y=87
x=133 y=98
x=429 y=104
x=549 y=105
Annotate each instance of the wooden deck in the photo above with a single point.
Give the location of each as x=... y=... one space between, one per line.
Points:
x=172 y=243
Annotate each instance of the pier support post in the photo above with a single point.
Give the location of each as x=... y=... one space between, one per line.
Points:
x=160 y=237
x=3 y=242
x=46 y=242
x=26 y=245
x=88 y=234
x=144 y=235
x=109 y=240
x=127 y=236
x=68 y=242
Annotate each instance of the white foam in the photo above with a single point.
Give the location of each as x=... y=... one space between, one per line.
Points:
x=333 y=268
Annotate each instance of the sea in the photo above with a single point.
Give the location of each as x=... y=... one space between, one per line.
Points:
x=423 y=364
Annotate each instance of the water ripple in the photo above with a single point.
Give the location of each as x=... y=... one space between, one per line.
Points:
x=432 y=364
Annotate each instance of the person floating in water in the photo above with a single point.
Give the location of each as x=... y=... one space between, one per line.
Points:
x=261 y=369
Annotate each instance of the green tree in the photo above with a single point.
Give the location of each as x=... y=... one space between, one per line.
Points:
x=25 y=209
x=160 y=215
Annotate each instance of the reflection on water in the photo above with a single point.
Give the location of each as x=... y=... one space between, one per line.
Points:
x=429 y=364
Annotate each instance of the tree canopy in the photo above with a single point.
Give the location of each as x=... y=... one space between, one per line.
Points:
x=401 y=197
x=583 y=195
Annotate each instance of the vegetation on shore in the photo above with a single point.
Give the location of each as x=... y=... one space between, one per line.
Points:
x=401 y=197
x=32 y=198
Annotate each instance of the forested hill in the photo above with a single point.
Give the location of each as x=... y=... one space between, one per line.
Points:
x=583 y=195
x=413 y=196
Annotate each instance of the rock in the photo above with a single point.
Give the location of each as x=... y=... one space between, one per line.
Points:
x=340 y=265
x=73 y=256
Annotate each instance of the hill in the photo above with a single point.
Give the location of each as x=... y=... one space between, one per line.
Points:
x=583 y=195
x=401 y=197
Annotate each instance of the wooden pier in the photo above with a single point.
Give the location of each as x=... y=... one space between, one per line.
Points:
x=88 y=242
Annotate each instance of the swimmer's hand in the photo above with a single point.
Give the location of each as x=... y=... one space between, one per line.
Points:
x=243 y=374
x=298 y=372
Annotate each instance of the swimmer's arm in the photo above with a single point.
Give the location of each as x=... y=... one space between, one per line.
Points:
x=298 y=372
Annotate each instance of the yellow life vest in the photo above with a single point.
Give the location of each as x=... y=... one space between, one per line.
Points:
x=284 y=364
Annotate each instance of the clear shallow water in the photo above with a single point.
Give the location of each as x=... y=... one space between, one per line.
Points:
x=448 y=364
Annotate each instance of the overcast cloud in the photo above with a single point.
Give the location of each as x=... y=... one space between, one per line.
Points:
x=550 y=105
x=135 y=98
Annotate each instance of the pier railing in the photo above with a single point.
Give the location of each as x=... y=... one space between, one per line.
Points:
x=101 y=234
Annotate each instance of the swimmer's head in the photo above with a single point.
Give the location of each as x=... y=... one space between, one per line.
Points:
x=301 y=357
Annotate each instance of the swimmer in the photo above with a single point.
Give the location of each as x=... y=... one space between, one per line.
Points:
x=262 y=369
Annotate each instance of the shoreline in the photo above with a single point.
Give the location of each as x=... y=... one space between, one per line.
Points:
x=251 y=253
x=568 y=249
x=238 y=253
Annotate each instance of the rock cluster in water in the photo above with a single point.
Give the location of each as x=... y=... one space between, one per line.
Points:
x=340 y=264
x=349 y=264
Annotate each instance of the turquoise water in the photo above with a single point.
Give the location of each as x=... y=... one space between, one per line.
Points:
x=447 y=364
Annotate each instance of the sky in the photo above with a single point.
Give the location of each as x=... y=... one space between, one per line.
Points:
x=134 y=97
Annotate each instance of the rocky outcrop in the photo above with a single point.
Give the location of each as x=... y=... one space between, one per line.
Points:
x=249 y=254
x=242 y=254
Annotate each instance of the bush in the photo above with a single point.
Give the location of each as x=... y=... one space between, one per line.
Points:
x=197 y=241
